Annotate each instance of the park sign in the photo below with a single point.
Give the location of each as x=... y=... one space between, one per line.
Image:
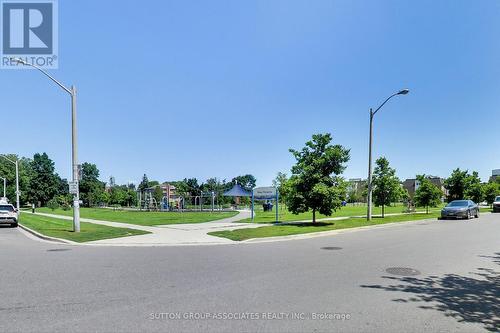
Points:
x=264 y=193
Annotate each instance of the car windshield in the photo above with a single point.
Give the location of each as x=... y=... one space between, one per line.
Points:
x=458 y=203
x=6 y=208
x=497 y=198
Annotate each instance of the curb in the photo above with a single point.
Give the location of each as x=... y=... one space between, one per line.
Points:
x=46 y=238
x=329 y=232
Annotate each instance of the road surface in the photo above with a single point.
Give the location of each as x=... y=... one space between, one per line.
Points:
x=287 y=286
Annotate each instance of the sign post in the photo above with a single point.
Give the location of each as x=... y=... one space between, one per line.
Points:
x=252 y=207
x=277 y=205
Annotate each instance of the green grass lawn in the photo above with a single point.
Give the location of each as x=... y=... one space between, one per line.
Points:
x=309 y=227
x=142 y=218
x=59 y=228
x=286 y=216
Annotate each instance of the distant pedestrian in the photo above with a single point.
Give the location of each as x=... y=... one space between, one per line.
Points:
x=33 y=208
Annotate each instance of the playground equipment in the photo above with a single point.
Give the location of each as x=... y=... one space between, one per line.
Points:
x=209 y=195
x=146 y=200
x=173 y=201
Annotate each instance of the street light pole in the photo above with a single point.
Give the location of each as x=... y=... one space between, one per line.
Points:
x=74 y=150
x=74 y=158
x=370 y=185
x=369 y=212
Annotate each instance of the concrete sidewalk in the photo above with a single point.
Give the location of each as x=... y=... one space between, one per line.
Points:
x=196 y=233
x=171 y=234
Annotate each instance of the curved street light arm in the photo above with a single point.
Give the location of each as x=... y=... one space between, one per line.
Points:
x=8 y=159
x=381 y=105
x=20 y=61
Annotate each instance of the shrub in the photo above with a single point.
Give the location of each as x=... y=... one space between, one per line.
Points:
x=53 y=204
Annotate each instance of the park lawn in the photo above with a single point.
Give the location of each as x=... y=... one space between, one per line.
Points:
x=309 y=227
x=142 y=218
x=286 y=216
x=59 y=228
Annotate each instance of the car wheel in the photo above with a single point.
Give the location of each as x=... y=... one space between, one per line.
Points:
x=469 y=215
x=477 y=214
x=13 y=225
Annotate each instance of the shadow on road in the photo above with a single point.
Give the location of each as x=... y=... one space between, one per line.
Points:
x=467 y=299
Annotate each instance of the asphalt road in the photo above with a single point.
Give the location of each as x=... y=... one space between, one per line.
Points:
x=254 y=287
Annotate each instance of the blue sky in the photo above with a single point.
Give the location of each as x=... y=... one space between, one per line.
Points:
x=205 y=89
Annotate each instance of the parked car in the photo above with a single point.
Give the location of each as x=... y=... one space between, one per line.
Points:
x=8 y=214
x=496 y=205
x=464 y=209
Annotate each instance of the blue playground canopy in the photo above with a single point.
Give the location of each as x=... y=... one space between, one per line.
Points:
x=237 y=191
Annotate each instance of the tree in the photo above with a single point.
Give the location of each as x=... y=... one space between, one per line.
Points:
x=144 y=184
x=386 y=186
x=8 y=170
x=353 y=195
x=246 y=181
x=117 y=196
x=456 y=184
x=427 y=194
x=491 y=190
x=315 y=183
x=281 y=183
x=44 y=182
x=474 y=188
x=158 y=194
x=91 y=187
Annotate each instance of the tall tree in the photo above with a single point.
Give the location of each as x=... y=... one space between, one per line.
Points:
x=192 y=186
x=315 y=183
x=427 y=194
x=281 y=183
x=246 y=181
x=386 y=186
x=491 y=190
x=456 y=184
x=8 y=171
x=44 y=182
x=474 y=188
x=91 y=187
x=144 y=184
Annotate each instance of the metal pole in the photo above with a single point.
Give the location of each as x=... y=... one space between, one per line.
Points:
x=4 y=186
x=277 y=205
x=74 y=151
x=252 y=207
x=369 y=199
x=17 y=185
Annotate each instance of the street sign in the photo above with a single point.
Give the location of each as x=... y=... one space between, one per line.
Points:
x=264 y=193
x=73 y=187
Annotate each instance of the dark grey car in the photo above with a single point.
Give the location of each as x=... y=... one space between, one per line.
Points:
x=464 y=209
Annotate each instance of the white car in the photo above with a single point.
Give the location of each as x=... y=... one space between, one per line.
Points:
x=8 y=214
x=496 y=205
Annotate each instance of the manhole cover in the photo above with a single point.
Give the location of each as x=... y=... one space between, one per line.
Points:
x=331 y=248
x=405 y=271
x=58 y=250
